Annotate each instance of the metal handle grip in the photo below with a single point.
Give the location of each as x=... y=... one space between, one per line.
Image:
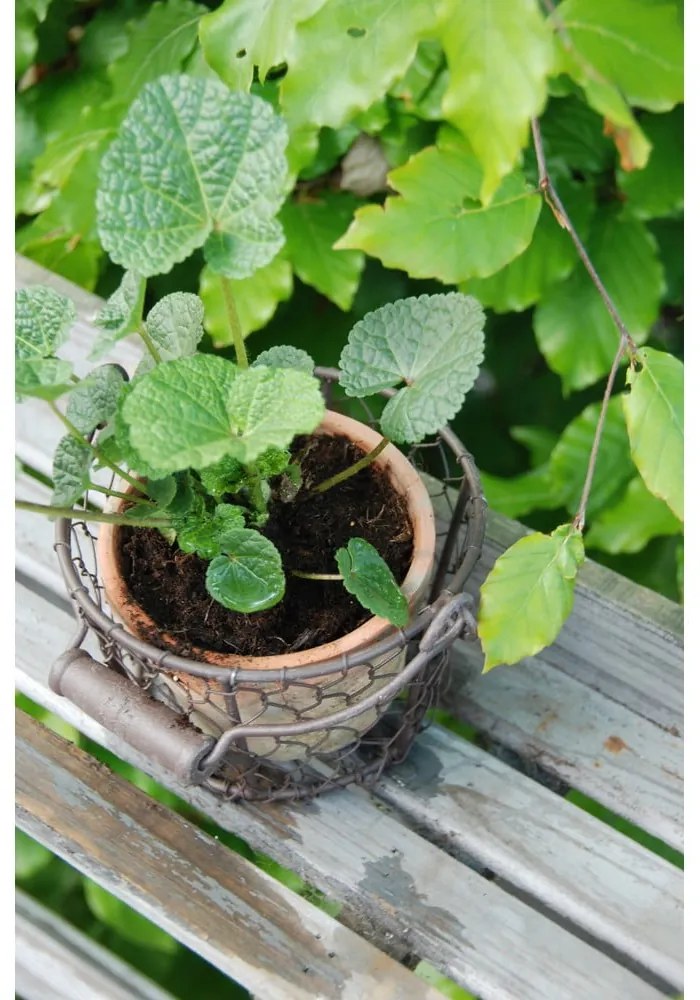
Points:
x=116 y=703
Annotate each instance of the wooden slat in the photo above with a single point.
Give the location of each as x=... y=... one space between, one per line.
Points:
x=54 y=959
x=219 y=905
x=397 y=888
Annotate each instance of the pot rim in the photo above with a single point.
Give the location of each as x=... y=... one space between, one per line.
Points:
x=404 y=478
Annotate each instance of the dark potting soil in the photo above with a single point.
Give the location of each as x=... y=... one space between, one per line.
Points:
x=169 y=584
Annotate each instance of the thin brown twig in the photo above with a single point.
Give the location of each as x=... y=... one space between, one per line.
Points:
x=626 y=342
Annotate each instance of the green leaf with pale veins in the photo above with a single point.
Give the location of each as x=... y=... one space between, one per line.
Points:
x=311 y=227
x=249 y=576
x=439 y=199
x=43 y=319
x=284 y=356
x=632 y=522
x=569 y=459
x=194 y=166
x=431 y=345
x=499 y=56
x=71 y=471
x=573 y=328
x=348 y=55
x=120 y=315
x=658 y=189
x=43 y=378
x=654 y=416
x=528 y=595
x=174 y=324
x=367 y=576
x=94 y=400
x=242 y=34
x=256 y=298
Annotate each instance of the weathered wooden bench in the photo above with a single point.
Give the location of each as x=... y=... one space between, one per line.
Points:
x=468 y=856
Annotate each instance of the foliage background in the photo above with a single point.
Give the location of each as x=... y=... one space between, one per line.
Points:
x=442 y=94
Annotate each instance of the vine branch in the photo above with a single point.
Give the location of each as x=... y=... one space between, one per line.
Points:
x=626 y=342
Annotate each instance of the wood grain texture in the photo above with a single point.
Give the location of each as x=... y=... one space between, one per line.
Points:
x=54 y=959
x=219 y=905
x=399 y=890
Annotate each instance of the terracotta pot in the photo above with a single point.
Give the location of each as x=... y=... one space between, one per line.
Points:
x=274 y=703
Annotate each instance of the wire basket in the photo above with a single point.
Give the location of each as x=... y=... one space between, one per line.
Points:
x=287 y=733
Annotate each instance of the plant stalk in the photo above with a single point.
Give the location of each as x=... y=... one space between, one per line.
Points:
x=148 y=341
x=89 y=515
x=315 y=576
x=362 y=463
x=235 y=324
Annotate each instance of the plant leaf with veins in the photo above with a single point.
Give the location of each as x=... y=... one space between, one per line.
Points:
x=43 y=319
x=284 y=356
x=42 y=378
x=248 y=577
x=367 y=576
x=120 y=315
x=71 y=471
x=94 y=400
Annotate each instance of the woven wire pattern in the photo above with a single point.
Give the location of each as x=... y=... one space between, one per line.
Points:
x=294 y=733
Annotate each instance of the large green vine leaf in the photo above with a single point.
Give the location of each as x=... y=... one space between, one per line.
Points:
x=439 y=199
x=242 y=34
x=431 y=345
x=658 y=189
x=499 y=56
x=194 y=165
x=43 y=319
x=654 y=415
x=374 y=41
x=574 y=331
x=528 y=595
x=311 y=227
x=369 y=579
x=632 y=522
x=256 y=298
x=249 y=576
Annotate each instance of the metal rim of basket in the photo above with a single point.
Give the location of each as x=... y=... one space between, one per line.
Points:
x=470 y=505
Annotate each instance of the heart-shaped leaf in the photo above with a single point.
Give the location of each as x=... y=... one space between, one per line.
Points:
x=43 y=319
x=248 y=577
x=194 y=165
x=71 y=471
x=94 y=401
x=431 y=345
x=369 y=579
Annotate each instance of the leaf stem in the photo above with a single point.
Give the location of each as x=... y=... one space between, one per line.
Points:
x=315 y=576
x=148 y=341
x=115 y=493
x=362 y=463
x=235 y=324
x=79 y=514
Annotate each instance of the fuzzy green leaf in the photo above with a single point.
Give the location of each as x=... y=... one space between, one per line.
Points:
x=43 y=378
x=194 y=165
x=431 y=345
x=311 y=227
x=654 y=416
x=249 y=576
x=120 y=315
x=439 y=198
x=631 y=523
x=94 y=401
x=283 y=356
x=573 y=328
x=207 y=535
x=224 y=476
x=242 y=34
x=71 y=471
x=43 y=319
x=528 y=595
x=569 y=458
x=499 y=56
x=369 y=579
x=174 y=324
x=658 y=189
x=256 y=298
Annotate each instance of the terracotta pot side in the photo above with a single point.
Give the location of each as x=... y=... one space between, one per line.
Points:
x=407 y=483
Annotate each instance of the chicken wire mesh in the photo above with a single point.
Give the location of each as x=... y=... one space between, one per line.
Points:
x=284 y=733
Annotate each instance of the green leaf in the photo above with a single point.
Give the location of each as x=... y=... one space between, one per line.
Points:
x=43 y=378
x=43 y=319
x=249 y=576
x=224 y=476
x=680 y=571
x=283 y=356
x=431 y=345
x=459 y=237
x=499 y=56
x=631 y=523
x=311 y=227
x=29 y=14
x=121 y=314
x=528 y=595
x=220 y=157
x=519 y=495
x=573 y=138
x=539 y=441
x=242 y=34
x=256 y=298
x=58 y=251
x=654 y=416
x=636 y=47
x=94 y=401
x=374 y=41
x=573 y=328
x=163 y=491
x=174 y=324
x=550 y=257
x=127 y=922
x=272 y=462
x=668 y=234
x=369 y=579
x=569 y=458
x=206 y=535
x=658 y=189
x=71 y=471
x=30 y=856
x=421 y=88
